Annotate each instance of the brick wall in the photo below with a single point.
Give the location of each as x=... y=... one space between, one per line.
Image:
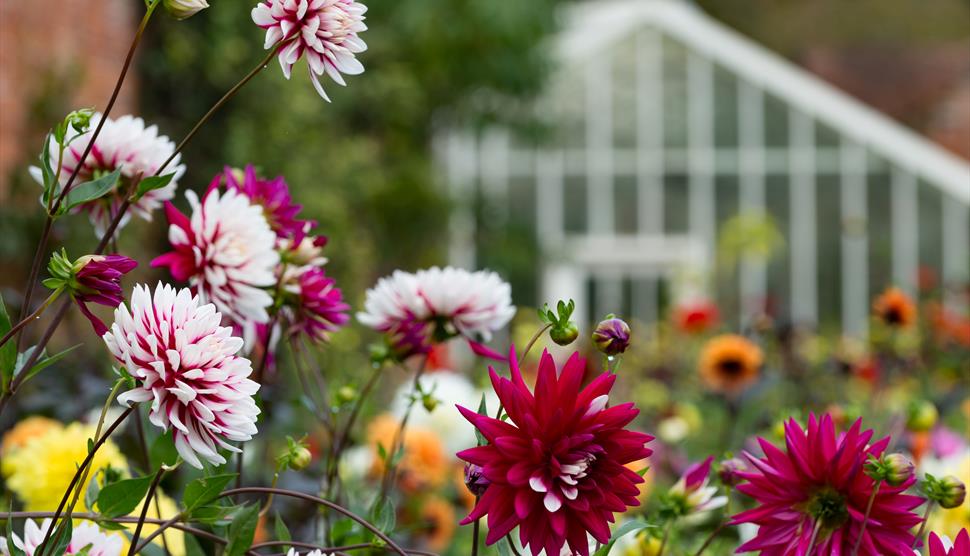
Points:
x=56 y=55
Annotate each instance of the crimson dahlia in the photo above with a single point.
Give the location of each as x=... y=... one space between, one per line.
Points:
x=813 y=496
x=556 y=468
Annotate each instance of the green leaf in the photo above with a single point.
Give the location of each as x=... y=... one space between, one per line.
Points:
x=482 y=410
x=64 y=530
x=47 y=171
x=11 y=547
x=241 y=530
x=192 y=547
x=42 y=362
x=90 y=190
x=626 y=528
x=341 y=530
x=91 y=494
x=162 y=452
x=214 y=515
x=8 y=353
x=503 y=547
x=384 y=515
x=282 y=532
x=150 y=184
x=121 y=498
x=204 y=489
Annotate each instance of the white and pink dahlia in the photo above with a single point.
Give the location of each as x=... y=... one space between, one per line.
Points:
x=418 y=310
x=86 y=539
x=125 y=143
x=325 y=31
x=226 y=251
x=186 y=365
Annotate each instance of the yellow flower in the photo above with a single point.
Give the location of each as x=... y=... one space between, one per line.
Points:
x=41 y=468
x=26 y=430
x=949 y=522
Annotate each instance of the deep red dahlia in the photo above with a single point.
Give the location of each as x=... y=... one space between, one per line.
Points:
x=819 y=482
x=556 y=468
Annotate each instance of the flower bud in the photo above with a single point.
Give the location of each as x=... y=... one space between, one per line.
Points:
x=429 y=402
x=612 y=336
x=951 y=492
x=346 y=394
x=894 y=469
x=475 y=479
x=184 y=9
x=564 y=334
x=300 y=458
x=728 y=472
x=921 y=416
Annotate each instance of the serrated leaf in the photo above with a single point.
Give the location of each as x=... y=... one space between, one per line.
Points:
x=214 y=515
x=282 y=532
x=241 y=530
x=204 y=489
x=626 y=528
x=150 y=184
x=192 y=547
x=8 y=353
x=384 y=515
x=162 y=452
x=42 y=362
x=90 y=190
x=121 y=498
x=111 y=525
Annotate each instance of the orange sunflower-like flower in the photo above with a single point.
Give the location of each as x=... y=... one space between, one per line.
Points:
x=438 y=523
x=730 y=364
x=895 y=308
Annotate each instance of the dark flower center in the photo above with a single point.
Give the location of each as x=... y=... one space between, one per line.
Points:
x=828 y=506
x=894 y=316
x=731 y=367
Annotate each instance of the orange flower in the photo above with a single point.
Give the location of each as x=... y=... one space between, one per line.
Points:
x=949 y=326
x=696 y=318
x=895 y=308
x=25 y=430
x=437 y=523
x=424 y=463
x=730 y=363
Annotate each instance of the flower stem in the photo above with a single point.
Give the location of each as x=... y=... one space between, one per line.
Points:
x=475 y=532
x=77 y=474
x=390 y=470
x=663 y=541
x=535 y=338
x=144 y=510
x=865 y=518
x=35 y=315
x=340 y=443
x=811 y=542
x=922 y=526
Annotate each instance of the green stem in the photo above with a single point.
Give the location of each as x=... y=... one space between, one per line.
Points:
x=922 y=526
x=390 y=470
x=144 y=510
x=663 y=541
x=865 y=519
x=33 y=316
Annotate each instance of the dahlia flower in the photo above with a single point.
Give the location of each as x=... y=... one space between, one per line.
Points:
x=696 y=317
x=692 y=493
x=314 y=552
x=274 y=198
x=895 y=308
x=430 y=306
x=943 y=546
x=556 y=467
x=730 y=364
x=86 y=539
x=186 y=365
x=320 y=308
x=817 y=488
x=226 y=251
x=325 y=30
x=123 y=143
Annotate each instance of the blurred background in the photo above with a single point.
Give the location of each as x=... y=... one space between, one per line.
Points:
x=781 y=161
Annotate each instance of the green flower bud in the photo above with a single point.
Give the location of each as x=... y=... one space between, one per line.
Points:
x=296 y=455
x=564 y=334
x=893 y=469
x=346 y=394
x=429 y=402
x=921 y=416
x=184 y=9
x=950 y=492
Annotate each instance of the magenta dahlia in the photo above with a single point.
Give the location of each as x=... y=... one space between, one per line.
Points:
x=556 y=468
x=812 y=496
x=320 y=309
x=942 y=546
x=274 y=196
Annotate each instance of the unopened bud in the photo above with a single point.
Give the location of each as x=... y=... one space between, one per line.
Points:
x=346 y=394
x=301 y=458
x=475 y=479
x=728 y=471
x=949 y=492
x=184 y=9
x=894 y=469
x=612 y=336
x=564 y=334
x=429 y=402
x=921 y=416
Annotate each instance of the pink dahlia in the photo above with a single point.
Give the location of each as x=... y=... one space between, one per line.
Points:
x=274 y=197
x=556 y=468
x=86 y=539
x=319 y=307
x=417 y=310
x=186 y=365
x=226 y=251
x=326 y=31
x=814 y=494
x=125 y=143
x=942 y=546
